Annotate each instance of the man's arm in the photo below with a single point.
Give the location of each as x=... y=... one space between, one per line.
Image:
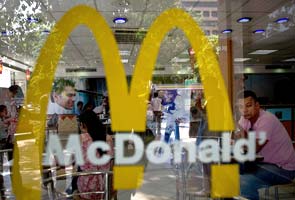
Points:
x=244 y=134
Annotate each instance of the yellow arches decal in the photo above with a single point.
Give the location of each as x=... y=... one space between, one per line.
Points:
x=128 y=106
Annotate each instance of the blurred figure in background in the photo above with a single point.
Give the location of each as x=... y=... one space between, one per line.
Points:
x=104 y=108
x=79 y=108
x=15 y=94
x=4 y=123
x=156 y=104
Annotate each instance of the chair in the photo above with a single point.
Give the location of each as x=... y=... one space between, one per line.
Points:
x=273 y=192
x=53 y=193
x=5 y=172
x=50 y=180
x=286 y=191
x=192 y=179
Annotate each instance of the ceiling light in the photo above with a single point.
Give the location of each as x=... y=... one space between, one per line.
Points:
x=244 y=20
x=259 y=31
x=241 y=59
x=120 y=20
x=124 y=61
x=282 y=20
x=7 y=33
x=124 y=53
x=180 y=60
x=33 y=19
x=289 y=60
x=15 y=63
x=248 y=70
x=227 y=31
x=263 y=52
x=46 y=32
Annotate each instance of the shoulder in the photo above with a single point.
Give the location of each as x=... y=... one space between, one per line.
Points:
x=267 y=116
x=85 y=137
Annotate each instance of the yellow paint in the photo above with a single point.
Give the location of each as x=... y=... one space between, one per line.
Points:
x=128 y=177
x=225 y=181
x=130 y=116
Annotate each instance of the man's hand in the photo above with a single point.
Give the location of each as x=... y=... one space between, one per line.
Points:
x=240 y=133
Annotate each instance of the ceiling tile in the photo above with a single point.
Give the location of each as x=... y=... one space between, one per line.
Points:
x=62 y=5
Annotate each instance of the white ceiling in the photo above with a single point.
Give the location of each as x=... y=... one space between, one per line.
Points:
x=81 y=51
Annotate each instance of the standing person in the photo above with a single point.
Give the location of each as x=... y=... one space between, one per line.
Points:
x=4 y=123
x=92 y=130
x=3 y=136
x=156 y=104
x=278 y=166
x=104 y=108
x=79 y=108
x=14 y=91
x=63 y=97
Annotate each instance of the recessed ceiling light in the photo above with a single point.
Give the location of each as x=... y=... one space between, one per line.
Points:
x=124 y=53
x=241 y=59
x=257 y=31
x=124 y=61
x=33 y=19
x=180 y=60
x=282 y=20
x=244 y=20
x=227 y=31
x=7 y=33
x=289 y=60
x=45 y=32
x=263 y=52
x=120 y=20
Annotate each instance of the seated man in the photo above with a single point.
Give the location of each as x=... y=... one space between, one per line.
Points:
x=278 y=166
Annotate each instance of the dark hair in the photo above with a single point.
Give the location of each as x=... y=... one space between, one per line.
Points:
x=60 y=84
x=247 y=93
x=88 y=105
x=2 y=107
x=13 y=89
x=80 y=103
x=16 y=91
x=93 y=124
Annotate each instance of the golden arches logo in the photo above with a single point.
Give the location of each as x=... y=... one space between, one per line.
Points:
x=132 y=116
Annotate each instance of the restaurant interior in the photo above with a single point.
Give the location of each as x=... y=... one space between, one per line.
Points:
x=253 y=42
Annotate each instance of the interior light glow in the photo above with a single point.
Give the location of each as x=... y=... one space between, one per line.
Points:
x=125 y=52
x=33 y=19
x=46 y=32
x=120 y=20
x=124 y=61
x=289 y=60
x=7 y=33
x=259 y=31
x=282 y=20
x=244 y=20
x=226 y=31
x=241 y=59
x=262 y=52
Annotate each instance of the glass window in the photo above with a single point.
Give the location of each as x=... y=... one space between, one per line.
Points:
x=214 y=13
x=206 y=13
